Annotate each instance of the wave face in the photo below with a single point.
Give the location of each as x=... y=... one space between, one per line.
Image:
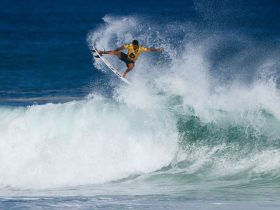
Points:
x=203 y=114
x=79 y=143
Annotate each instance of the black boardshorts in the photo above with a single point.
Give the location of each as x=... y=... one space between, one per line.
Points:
x=125 y=58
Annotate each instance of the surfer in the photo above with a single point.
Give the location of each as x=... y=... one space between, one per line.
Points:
x=134 y=50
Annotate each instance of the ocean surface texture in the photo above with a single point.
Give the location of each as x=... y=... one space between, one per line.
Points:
x=199 y=128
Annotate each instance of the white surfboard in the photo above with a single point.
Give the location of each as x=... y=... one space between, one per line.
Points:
x=109 y=65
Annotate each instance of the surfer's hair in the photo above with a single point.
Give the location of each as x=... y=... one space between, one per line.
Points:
x=135 y=42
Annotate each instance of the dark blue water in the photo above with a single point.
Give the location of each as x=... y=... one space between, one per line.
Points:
x=44 y=50
x=198 y=128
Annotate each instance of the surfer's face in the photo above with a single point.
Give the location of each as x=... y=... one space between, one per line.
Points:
x=135 y=47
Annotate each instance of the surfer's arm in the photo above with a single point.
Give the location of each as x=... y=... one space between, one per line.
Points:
x=154 y=49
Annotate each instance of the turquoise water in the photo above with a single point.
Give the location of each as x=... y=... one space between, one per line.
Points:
x=197 y=129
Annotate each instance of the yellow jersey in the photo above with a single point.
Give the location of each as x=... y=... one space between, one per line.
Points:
x=134 y=54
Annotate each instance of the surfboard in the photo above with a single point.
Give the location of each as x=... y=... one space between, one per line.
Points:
x=110 y=66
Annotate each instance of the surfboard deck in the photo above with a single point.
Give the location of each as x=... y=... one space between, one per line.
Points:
x=110 y=66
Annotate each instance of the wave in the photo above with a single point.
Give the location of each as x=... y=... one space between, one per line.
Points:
x=179 y=119
x=79 y=143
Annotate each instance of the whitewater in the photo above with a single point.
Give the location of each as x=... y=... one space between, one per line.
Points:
x=180 y=129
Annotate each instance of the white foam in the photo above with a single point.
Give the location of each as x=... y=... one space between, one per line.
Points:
x=78 y=143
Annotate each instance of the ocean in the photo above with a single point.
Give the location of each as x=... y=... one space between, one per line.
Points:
x=199 y=128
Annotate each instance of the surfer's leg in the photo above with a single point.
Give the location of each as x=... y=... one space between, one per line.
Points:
x=130 y=66
x=111 y=52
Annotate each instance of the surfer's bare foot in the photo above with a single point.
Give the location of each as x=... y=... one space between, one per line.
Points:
x=124 y=74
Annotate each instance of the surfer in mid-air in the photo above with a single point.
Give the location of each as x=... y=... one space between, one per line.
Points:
x=134 y=50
